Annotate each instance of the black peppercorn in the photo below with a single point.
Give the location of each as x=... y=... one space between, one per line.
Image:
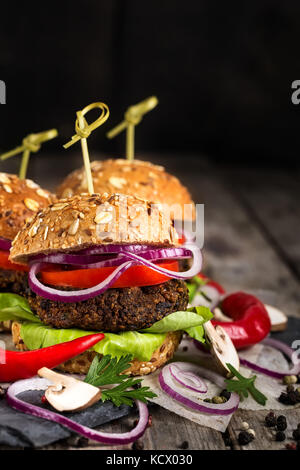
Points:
x=184 y=445
x=281 y=423
x=137 y=445
x=293 y=398
x=225 y=394
x=270 y=420
x=244 y=438
x=296 y=434
x=284 y=398
x=280 y=436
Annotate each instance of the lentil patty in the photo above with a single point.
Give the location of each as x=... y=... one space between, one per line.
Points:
x=126 y=309
x=13 y=281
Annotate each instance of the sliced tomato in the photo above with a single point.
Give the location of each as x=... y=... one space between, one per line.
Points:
x=6 y=264
x=84 y=278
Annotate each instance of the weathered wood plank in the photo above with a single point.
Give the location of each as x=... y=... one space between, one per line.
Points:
x=272 y=199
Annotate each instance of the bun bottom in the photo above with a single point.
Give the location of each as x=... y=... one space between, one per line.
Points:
x=5 y=326
x=81 y=364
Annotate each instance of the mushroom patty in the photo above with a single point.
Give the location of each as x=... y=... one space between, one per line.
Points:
x=126 y=309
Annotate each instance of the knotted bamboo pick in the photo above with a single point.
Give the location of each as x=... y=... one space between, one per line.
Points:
x=132 y=117
x=31 y=143
x=83 y=130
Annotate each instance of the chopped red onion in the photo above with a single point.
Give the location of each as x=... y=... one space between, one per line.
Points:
x=103 y=437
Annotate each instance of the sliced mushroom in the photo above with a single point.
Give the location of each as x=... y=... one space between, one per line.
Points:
x=222 y=348
x=219 y=315
x=67 y=393
x=278 y=318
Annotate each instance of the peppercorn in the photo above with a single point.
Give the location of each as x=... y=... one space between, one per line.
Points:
x=245 y=426
x=289 y=379
x=293 y=398
x=284 y=398
x=280 y=436
x=225 y=394
x=297 y=393
x=291 y=446
x=281 y=423
x=270 y=420
x=217 y=400
x=184 y=445
x=244 y=438
x=137 y=445
x=296 y=434
x=290 y=388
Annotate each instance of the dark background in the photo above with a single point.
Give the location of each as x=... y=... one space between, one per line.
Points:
x=222 y=72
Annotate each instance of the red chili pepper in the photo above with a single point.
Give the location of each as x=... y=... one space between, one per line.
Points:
x=212 y=283
x=251 y=320
x=22 y=365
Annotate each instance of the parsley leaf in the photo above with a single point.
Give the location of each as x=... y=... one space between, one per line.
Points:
x=110 y=371
x=244 y=385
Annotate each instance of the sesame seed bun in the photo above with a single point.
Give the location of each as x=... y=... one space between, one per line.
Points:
x=19 y=201
x=86 y=220
x=81 y=364
x=135 y=178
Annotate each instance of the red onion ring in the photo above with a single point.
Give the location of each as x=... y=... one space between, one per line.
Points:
x=5 y=244
x=184 y=377
x=285 y=349
x=75 y=295
x=103 y=437
x=169 y=386
x=193 y=271
x=84 y=294
x=101 y=261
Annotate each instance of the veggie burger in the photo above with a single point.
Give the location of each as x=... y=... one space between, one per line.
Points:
x=106 y=263
x=20 y=199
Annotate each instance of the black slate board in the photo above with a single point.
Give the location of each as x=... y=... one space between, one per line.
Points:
x=21 y=430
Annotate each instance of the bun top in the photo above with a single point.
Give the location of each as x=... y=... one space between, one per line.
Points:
x=134 y=178
x=86 y=220
x=20 y=199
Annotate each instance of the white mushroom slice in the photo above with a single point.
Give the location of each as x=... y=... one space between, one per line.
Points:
x=278 y=318
x=219 y=315
x=67 y=393
x=222 y=348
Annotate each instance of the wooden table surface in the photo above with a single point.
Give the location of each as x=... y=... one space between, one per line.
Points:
x=251 y=243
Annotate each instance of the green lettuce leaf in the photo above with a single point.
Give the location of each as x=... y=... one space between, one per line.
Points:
x=14 y=307
x=140 y=345
x=192 y=317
